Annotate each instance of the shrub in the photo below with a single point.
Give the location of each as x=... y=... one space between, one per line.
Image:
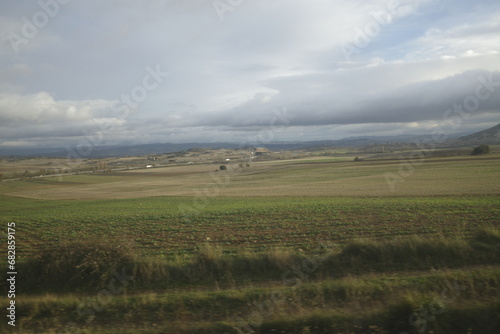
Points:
x=414 y=252
x=481 y=149
x=487 y=239
x=222 y=167
x=81 y=263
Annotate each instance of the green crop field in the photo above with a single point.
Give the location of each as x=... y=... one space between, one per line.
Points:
x=162 y=225
x=319 y=245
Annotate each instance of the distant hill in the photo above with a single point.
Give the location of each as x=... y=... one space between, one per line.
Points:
x=158 y=148
x=488 y=136
x=114 y=151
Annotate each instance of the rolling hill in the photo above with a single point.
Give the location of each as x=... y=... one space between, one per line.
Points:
x=488 y=136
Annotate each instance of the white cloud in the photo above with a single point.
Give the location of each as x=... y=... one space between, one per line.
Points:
x=226 y=77
x=21 y=109
x=482 y=38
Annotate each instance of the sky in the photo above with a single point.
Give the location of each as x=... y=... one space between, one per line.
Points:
x=133 y=72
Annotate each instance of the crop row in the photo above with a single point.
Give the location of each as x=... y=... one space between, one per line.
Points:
x=157 y=226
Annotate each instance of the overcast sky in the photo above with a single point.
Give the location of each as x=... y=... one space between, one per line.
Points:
x=123 y=71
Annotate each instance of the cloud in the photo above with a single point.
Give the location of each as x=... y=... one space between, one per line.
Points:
x=481 y=38
x=227 y=78
x=41 y=120
x=19 y=110
x=390 y=93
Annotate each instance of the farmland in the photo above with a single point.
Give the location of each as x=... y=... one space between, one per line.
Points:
x=157 y=226
x=334 y=245
x=460 y=175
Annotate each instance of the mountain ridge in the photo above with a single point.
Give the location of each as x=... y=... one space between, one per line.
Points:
x=487 y=136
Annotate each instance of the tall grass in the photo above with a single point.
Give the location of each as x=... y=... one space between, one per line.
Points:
x=372 y=303
x=77 y=264
x=81 y=265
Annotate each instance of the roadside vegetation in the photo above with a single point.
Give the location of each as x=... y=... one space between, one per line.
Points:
x=364 y=286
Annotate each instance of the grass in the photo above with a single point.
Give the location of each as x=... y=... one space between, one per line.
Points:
x=430 y=176
x=84 y=264
x=156 y=226
x=342 y=288
x=306 y=246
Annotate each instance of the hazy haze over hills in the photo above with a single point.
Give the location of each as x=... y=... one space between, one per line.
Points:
x=489 y=136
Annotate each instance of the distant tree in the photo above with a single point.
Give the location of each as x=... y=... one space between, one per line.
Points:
x=357 y=159
x=481 y=149
x=222 y=167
